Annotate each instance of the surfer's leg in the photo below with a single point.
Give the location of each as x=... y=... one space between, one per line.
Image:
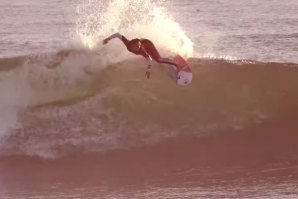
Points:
x=167 y=61
x=150 y=49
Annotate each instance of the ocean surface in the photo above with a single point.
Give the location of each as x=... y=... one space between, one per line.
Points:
x=80 y=120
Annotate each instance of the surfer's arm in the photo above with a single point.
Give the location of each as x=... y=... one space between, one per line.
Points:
x=116 y=35
x=149 y=60
x=148 y=57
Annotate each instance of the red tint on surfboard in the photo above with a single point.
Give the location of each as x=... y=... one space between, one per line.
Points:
x=182 y=64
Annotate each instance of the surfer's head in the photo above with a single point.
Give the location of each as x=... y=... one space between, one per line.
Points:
x=134 y=45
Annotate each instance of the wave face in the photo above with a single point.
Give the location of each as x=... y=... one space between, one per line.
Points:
x=83 y=125
x=75 y=102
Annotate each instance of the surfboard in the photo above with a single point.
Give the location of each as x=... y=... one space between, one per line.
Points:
x=182 y=64
x=183 y=75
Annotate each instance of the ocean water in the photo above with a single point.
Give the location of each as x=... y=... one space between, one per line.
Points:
x=80 y=120
x=256 y=30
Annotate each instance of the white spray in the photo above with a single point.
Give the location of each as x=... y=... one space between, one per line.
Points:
x=14 y=98
x=98 y=19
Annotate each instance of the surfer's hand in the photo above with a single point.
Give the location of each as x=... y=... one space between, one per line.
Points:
x=105 y=41
x=148 y=73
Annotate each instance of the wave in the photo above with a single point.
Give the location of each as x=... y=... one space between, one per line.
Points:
x=78 y=101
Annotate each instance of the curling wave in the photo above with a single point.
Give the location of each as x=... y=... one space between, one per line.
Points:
x=74 y=101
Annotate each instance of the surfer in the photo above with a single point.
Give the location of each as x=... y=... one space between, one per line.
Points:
x=145 y=47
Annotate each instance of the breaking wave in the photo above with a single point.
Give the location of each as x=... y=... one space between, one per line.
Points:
x=74 y=101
